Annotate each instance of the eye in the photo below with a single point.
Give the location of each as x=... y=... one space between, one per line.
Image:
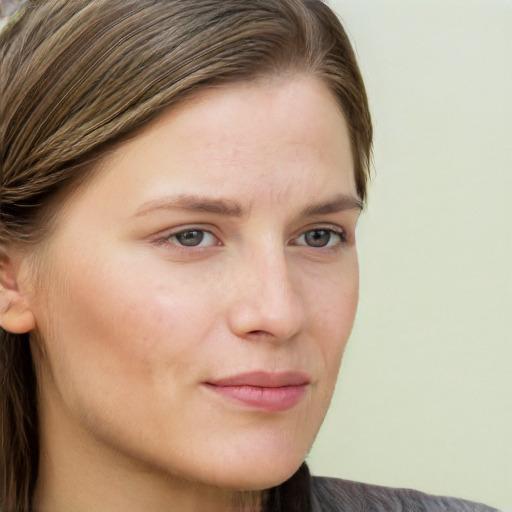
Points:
x=322 y=238
x=193 y=238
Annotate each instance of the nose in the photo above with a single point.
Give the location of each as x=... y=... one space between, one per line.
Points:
x=266 y=302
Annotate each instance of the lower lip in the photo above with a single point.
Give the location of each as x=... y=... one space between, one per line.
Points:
x=267 y=399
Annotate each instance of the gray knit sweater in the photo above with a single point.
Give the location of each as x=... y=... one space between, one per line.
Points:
x=334 y=495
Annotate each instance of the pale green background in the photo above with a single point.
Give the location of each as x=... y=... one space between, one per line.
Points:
x=425 y=392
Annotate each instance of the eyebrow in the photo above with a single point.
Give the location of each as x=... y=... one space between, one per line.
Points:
x=192 y=203
x=337 y=204
x=232 y=208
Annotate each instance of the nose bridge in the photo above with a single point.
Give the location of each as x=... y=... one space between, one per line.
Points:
x=268 y=300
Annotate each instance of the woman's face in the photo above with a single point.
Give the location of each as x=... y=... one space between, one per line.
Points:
x=197 y=295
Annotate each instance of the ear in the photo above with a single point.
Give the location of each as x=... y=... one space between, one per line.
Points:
x=15 y=314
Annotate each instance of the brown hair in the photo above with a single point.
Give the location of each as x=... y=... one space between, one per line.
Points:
x=78 y=77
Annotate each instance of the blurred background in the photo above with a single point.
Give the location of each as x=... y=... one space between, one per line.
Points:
x=424 y=398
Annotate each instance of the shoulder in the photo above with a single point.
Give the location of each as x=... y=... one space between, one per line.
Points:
x=335 y=495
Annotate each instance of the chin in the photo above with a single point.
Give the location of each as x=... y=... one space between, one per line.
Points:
x=258 y=473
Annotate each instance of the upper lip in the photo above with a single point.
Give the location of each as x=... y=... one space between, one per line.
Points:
x=264 y=379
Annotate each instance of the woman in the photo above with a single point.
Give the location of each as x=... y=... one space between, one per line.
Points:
x=181 y=182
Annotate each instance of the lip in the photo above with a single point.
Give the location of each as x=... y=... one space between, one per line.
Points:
x=266 y=391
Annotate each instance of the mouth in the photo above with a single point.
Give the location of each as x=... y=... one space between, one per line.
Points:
x=271 y=392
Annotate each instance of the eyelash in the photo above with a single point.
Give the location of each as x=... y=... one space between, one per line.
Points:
x=332 y=232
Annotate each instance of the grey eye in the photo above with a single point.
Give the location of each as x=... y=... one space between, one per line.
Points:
x=318 y=237
x=322 y=238
x=190 y=238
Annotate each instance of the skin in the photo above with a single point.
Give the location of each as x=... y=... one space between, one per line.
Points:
x=129 y=324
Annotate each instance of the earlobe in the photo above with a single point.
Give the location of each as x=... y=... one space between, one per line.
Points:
x=17 y=322
x=15 y=314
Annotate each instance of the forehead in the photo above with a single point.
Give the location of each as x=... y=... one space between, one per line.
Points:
x=267 y=142
x=249 y=125
x=297 y=109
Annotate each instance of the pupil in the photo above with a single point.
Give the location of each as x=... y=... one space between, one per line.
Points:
x=190 y=238
x=318 y=238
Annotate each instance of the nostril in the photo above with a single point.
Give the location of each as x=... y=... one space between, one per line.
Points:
x=258 y=333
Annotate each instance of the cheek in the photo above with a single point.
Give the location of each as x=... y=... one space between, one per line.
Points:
x=333 y=311
x=333 y=297
x=125 y=349
x=116 y=327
